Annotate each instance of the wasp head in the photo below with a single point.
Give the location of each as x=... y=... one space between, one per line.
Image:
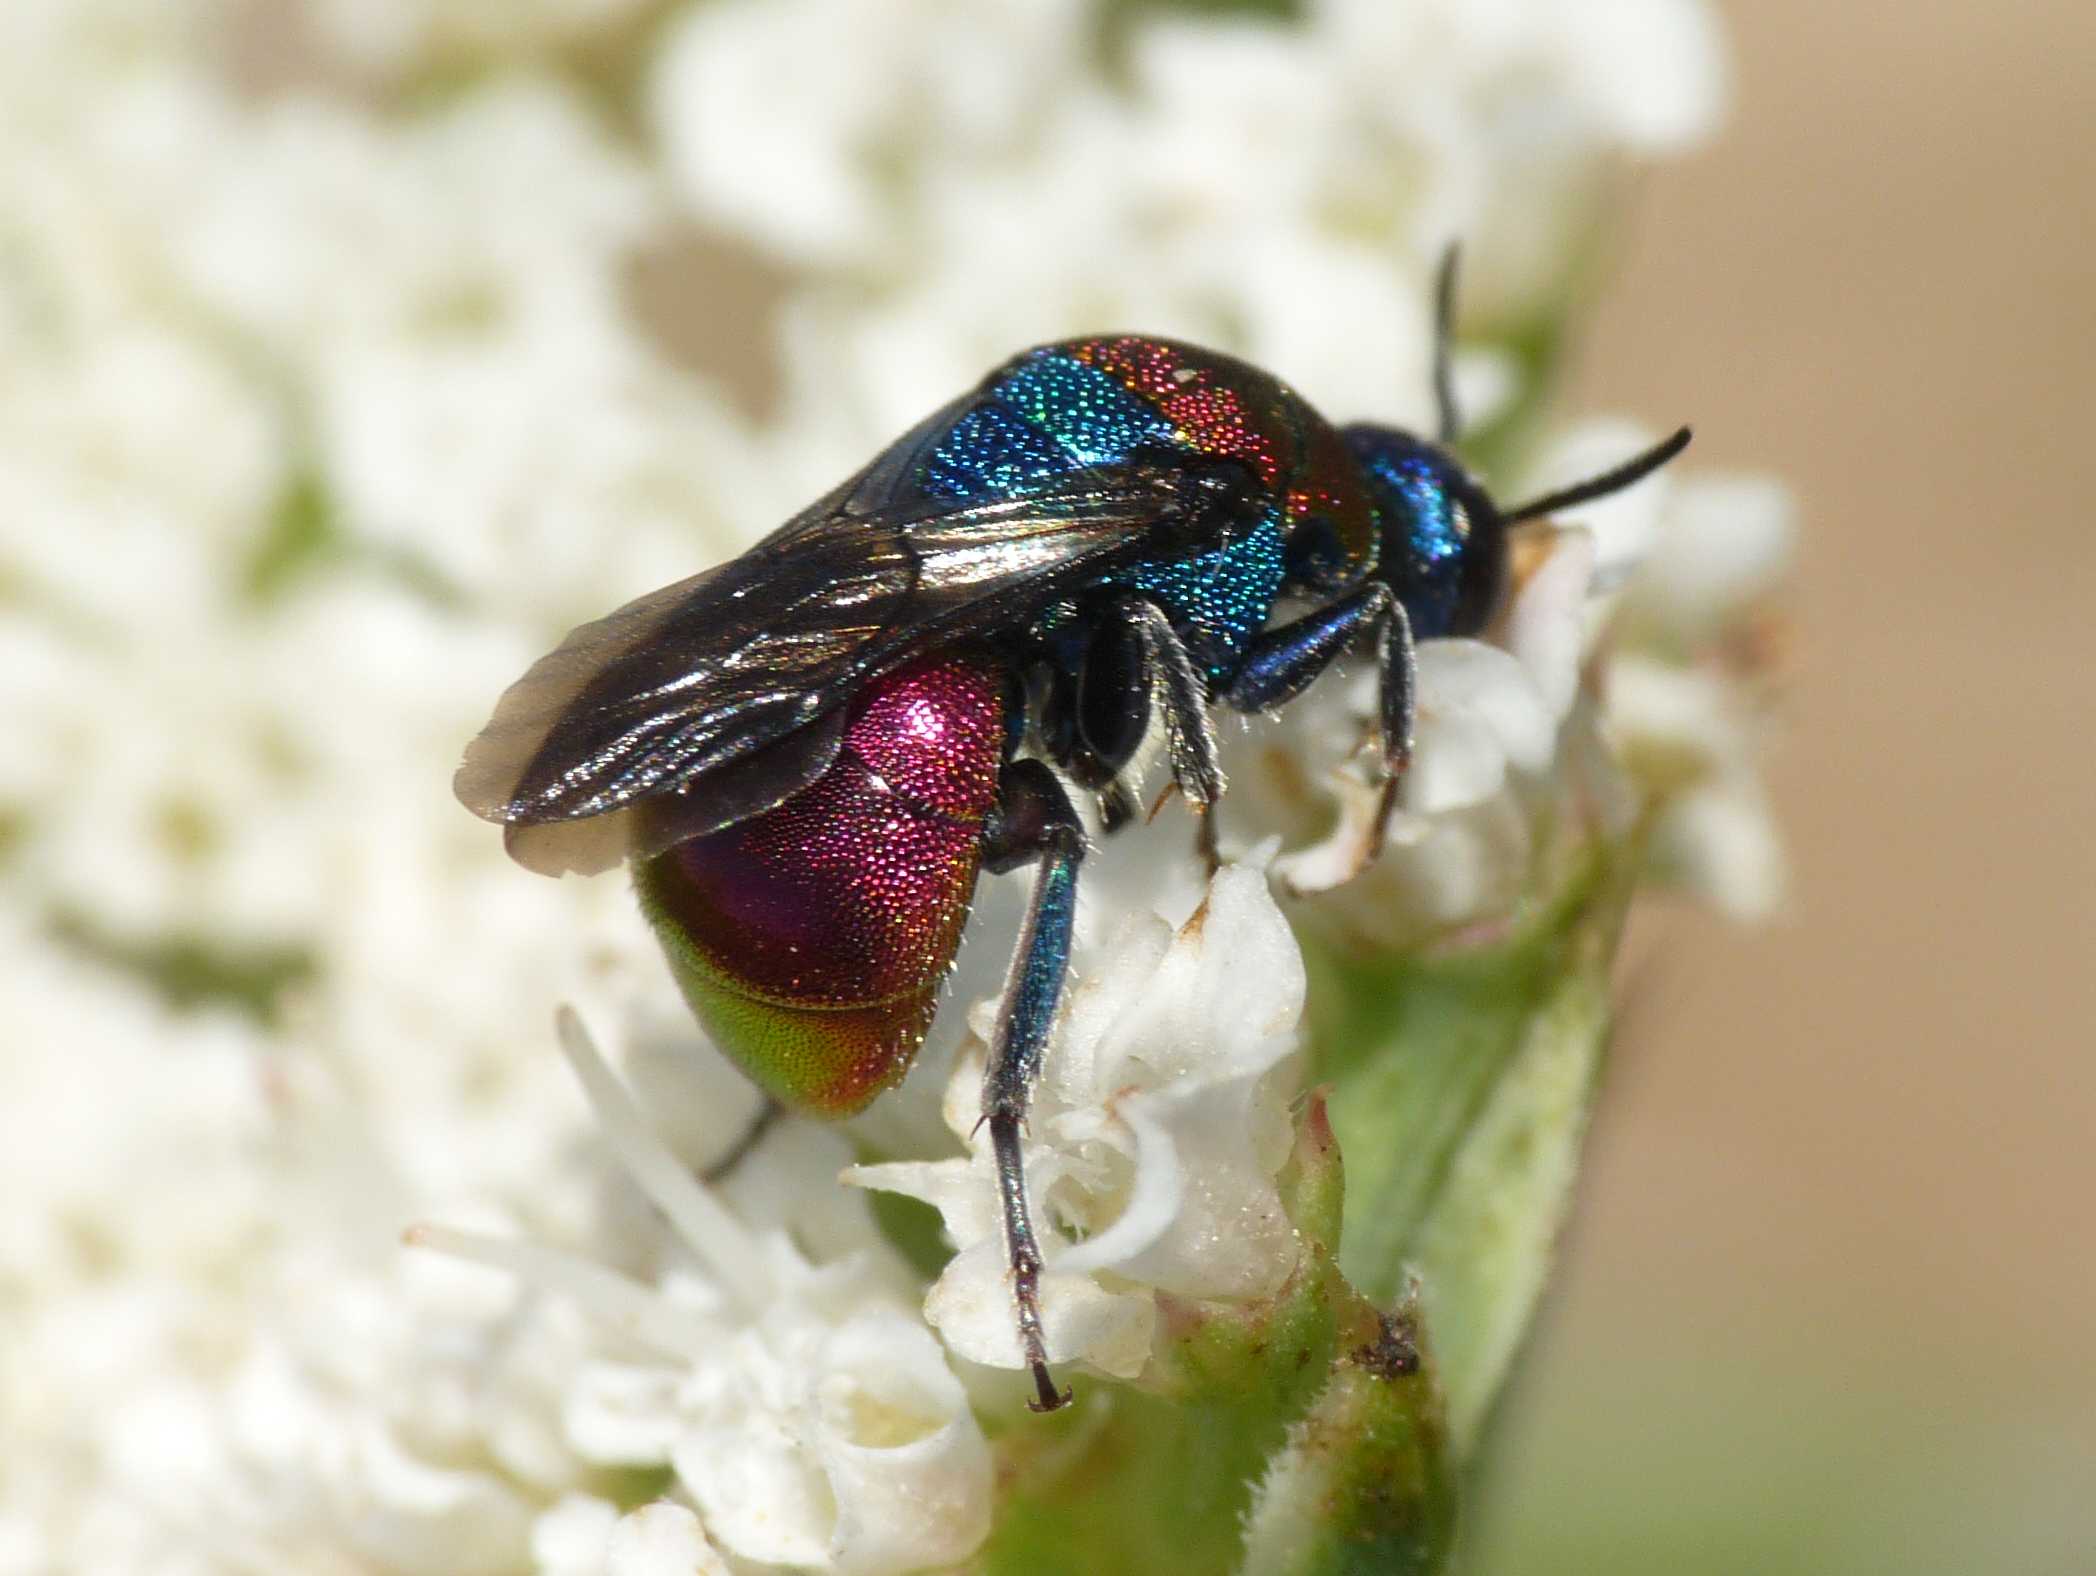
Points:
x=1444 y=542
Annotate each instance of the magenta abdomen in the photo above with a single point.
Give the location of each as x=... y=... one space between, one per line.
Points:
x=811 y=939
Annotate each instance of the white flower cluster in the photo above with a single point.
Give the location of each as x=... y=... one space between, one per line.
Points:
x=955 y=180
x=324 y=407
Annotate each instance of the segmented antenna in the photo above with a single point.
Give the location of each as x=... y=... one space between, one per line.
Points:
x=1444 y=344
x=1612 y=481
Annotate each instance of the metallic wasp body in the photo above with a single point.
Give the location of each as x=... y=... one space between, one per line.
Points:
x=810 y=752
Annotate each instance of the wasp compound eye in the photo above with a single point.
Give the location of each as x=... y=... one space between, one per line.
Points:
x=1444 y=548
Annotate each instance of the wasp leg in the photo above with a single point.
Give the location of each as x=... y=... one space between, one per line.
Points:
x=1132 y=658
x=1282 y=663
x=749 y=1138
x=1034 y=820
x=1189 y=735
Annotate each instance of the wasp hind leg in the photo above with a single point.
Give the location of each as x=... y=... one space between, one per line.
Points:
x=1282 y=663
x=1033 y=821
x=767 y=1117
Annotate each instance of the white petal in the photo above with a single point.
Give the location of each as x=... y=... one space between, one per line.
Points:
x=1689 y=712
x=1721 y=843
x=1221 y=1002
x=1546 y=625
x=1625 y=524
x=1654 y=70
x=662 y=1539
x=953 y=1187
x=1343 y=852
x=759 y=112
x=1153 y=1200
x=1726 y=541
x=431 y=1519
x=1203 y=1218
x=971 y=1307
x=1479 y=712
x=574 y=1537
x=623 y=1415
x=1457 y=761
x=907 y=1464
x=763 y=1496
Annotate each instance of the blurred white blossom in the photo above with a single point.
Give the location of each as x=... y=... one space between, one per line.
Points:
x=991 y=188
x=1687 y=700
x=401 y=36
x=582 y=1536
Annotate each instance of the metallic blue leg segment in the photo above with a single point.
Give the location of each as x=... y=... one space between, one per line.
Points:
x=1283 y=662
x=1034 y=820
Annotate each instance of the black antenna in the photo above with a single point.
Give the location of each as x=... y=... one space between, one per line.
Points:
x=1624 y=475
x=1444 y=336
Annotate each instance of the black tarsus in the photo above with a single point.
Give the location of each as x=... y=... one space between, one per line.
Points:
x=1609 y=481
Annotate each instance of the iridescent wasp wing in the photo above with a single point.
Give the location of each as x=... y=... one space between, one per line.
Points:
x=620 y=741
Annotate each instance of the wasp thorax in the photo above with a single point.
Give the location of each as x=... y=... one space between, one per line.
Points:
x=1444 y=543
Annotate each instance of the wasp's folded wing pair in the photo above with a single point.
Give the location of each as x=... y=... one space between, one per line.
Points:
x=714 y=699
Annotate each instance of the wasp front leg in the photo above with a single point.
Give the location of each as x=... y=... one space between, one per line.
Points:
x=1129 y=660
x=1164 y=666
x=1283 y=662
x=1034 y=820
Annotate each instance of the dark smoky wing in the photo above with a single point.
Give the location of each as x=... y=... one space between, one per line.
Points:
x=666 y=686
x=761 y=780
x=690 y=680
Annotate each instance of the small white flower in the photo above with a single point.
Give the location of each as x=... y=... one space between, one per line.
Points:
x=1624 y=525
x=1725 y=545
x=805 y=1409
x=1684 y=701
x=1488 y=722
x=1721 y=842
x=806 y=124
x=582 y=1536
x=1157 y=1128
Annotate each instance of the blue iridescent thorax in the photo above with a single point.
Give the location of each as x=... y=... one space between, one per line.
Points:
x=1224 y=597
x=1443 y=550
x=1067 y=407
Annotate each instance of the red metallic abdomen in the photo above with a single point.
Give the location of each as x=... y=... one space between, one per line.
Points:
x=811 y=939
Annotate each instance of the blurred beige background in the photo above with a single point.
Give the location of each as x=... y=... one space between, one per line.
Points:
x=1838 y=1220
